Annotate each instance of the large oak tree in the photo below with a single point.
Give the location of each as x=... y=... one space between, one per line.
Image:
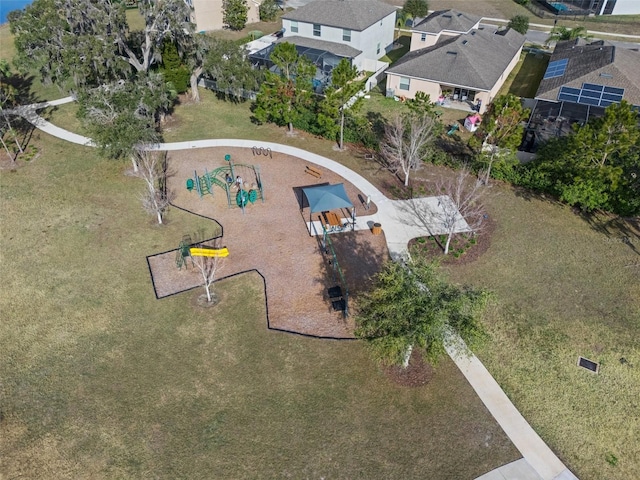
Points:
x=76 y=43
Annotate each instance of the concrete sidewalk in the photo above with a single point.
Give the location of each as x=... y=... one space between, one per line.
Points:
x=538 y=462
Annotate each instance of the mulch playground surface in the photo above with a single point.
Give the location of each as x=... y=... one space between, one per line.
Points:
x=272 y=238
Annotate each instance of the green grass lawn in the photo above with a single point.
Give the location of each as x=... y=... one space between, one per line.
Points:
x=64 y=116
x=396 y=54
x=135 y=20
x=101 y=380
x=563 y=289
x=524 y=79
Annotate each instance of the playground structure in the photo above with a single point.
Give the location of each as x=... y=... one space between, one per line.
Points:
x=225 y=178
x=209 y=252
x=187 y=249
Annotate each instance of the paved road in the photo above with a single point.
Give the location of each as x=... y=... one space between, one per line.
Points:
x=539 y=35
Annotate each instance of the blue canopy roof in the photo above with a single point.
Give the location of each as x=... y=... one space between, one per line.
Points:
x=327 y=197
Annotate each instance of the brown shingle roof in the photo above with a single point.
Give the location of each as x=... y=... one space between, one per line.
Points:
x=451 y=20
x=475 y=60
x=596 y=62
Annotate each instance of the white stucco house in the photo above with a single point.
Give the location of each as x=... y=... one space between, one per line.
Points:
x=361 y=30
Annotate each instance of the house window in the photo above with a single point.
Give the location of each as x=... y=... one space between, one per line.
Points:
x=294 y=27
x=346 y=35
x=404 y=83
x=378 y=49
x=316 y=30
x=423 y=37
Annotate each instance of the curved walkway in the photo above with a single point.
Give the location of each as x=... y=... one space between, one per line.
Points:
x=538 y=462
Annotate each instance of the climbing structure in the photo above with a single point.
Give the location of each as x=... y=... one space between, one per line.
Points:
x=224 y=177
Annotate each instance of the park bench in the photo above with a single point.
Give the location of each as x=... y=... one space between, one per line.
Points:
x=313 y=171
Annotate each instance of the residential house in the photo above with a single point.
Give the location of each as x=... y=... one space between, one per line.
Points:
x=442 y=24
x=208 y=14
x=611 y=70
x=466 y=70
x=581 y=80
x=360 y=30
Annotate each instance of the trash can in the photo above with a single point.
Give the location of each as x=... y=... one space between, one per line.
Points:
x=377 y=229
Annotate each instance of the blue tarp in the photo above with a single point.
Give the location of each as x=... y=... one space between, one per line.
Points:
x=327 y=197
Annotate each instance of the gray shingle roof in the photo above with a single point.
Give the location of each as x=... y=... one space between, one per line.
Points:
x=451 y=20
x=338 y=49
x=351 y=14
x=475 y=60
x=596 y=62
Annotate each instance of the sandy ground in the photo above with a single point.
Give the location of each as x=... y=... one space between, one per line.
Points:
x=272 y=238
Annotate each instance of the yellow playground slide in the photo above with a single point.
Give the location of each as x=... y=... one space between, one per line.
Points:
x=209 y=252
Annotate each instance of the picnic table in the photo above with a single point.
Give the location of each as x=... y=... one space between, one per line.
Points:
x=333 y=221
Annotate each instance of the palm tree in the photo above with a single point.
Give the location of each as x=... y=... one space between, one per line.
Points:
x=560 y=33
x=401 y=18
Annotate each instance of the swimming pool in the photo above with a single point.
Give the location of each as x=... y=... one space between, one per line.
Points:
x=561 y=7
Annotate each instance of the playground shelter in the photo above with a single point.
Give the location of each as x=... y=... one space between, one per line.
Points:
x=322 y=198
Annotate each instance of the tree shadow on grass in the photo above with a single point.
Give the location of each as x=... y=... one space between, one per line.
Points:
x=530 y=195
x=358 y=256
x=616 y=229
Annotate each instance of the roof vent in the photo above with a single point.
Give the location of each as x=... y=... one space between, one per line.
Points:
x=464 y=42
x=588 y=364
x=606 y=75
x=447 y=16
x=452 y=53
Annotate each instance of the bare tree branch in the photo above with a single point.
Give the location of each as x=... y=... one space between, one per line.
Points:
x=458 y=208
x=209 y=268
x=152 y=168
x=464 y=194
x=406 y=141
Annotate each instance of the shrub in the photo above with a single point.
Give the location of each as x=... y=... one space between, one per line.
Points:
x=173 y=70
x=268 y=10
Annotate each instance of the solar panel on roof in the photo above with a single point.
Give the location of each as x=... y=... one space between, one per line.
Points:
x=572 y=91
x=592 y=94
x=589 y=101
x=568 y=98
x=556 y=68
x=589 y=93
x=617 y=91
x=612 y=97
x=592 y=86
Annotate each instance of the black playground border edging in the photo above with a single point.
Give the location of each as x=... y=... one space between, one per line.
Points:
x=264 y=283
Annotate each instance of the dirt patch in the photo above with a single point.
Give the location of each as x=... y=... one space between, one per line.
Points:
x=199 y=299
x=30 y=155
x=418 y=372
x=273 y=238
